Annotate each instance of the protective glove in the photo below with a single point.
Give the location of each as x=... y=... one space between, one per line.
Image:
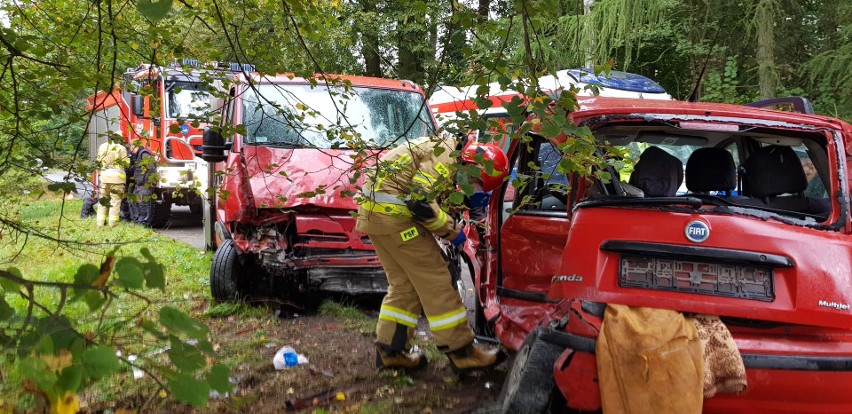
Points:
x=479 y=199
x=459 y=240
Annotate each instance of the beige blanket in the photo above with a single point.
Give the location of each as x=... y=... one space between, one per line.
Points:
x=723 y=365
x=659 y=361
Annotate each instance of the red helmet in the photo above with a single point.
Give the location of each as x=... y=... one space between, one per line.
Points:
x=490 y=152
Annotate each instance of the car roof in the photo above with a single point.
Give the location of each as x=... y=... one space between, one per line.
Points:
x=600 y=106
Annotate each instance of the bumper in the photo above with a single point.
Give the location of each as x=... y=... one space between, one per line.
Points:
x=776 y=383
x=177 y=177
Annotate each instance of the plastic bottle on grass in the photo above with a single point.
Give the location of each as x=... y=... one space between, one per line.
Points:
x=286 y=357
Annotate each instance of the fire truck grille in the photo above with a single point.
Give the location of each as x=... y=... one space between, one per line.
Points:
x=729 y=280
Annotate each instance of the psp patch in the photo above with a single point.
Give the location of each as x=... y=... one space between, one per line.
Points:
x=409 y=234
x=442 y=169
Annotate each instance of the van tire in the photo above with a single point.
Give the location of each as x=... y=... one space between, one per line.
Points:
x=225 y=273
x=529 y=383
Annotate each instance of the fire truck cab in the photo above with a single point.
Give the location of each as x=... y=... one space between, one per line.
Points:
x=163 y=109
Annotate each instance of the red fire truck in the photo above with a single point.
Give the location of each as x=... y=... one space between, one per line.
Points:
x=164 y=109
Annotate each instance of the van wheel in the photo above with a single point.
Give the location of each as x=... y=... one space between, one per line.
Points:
x=529 y=383
x=225 y=273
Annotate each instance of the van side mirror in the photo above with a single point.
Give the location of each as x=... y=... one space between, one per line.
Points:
x=137 y=105
x=213 y=146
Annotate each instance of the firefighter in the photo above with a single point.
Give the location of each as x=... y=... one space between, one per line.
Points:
x=143 y=165
x=112 y=158
x=400 y=214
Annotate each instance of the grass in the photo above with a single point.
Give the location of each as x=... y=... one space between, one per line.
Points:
x=53 y=245
x=241 y=309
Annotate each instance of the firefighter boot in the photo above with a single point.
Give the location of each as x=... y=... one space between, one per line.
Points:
x=408 y=361
x=470 y=358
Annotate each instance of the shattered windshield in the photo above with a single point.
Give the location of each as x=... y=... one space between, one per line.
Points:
x=319 y=117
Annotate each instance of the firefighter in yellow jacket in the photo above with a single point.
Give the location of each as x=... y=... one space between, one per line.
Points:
x=113 y=159
x=399 y=211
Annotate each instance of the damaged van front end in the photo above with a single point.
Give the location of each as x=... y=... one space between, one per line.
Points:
x=286 y=184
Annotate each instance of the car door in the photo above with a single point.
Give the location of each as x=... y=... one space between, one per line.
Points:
x=530 y=231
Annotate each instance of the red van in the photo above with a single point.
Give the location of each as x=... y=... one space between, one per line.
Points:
x=748 y=234
x=286 y=174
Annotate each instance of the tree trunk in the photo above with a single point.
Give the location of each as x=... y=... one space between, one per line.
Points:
x=764 y=22
x=482 y=10
x=412 y=42
x=370 y=42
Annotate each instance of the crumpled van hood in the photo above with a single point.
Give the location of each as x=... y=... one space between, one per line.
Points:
x=279 y=177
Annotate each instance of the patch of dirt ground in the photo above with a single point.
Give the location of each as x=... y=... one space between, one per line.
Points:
x=340 y=378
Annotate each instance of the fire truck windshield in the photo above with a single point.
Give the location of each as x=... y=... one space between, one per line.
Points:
x=188 y=100
x=302 y=116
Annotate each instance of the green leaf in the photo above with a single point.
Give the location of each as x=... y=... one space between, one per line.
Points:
x=152 y=328
x=44 y=346
x=100 y=361
x=59 y=330
x=86 y=274
x=187 y=389
x=70 y=378
x=177 y=322
x=186 y=358
x=10 y=286
x=206 y=347
x=62 y=187
x=129 y=273
x=218 y=378
x=482 y=103
x=6 y=311
x=94 y=299
x=154 y=9
x=35 y=369
x=155 y=274
x=456 y=198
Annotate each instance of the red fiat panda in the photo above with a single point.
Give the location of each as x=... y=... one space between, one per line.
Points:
x=752 y=224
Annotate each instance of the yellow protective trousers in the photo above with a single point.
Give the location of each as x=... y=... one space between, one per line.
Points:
x=114 y=192
x=418 y=279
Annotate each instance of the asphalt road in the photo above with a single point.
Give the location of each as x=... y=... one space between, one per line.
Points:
x=185 y=226
x=83 y=186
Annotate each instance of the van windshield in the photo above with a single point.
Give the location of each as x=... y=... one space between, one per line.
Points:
x=322 y=117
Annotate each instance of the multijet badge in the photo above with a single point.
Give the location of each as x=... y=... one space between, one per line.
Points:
x=697 y=231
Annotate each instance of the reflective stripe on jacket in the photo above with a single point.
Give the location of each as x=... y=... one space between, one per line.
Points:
x=418 y=168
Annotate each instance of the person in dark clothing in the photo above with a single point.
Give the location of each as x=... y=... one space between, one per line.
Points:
x=143 y=165
x=90 y=200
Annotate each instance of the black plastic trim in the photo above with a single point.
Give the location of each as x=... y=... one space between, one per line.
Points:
x=569 y=340
x=560 y=214
x=523 y=295
x=797 y=363
x=698 y=253
x=751 y=361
